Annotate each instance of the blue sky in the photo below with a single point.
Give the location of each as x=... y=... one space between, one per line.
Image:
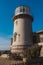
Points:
x=7 y=8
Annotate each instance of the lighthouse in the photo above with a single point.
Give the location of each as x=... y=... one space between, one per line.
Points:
x=22 y=32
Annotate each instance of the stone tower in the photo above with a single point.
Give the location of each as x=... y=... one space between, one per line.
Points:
x=22 y=33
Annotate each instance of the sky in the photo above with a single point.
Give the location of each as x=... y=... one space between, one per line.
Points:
x=7 y=8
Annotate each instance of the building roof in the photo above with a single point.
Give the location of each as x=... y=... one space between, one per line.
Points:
x=40 y=32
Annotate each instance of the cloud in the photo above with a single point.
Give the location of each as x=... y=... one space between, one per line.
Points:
x=4 y=43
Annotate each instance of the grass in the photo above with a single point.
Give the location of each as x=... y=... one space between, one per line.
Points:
x=5 y=61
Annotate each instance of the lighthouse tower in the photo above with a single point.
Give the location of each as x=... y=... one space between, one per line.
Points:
x=22 y=33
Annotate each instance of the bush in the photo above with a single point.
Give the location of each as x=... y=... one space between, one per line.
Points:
x=33 y=51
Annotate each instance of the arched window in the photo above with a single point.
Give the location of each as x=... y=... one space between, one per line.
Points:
x=15 y=34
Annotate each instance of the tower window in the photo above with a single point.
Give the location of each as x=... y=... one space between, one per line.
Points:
x=18 y=34
x=23 y=9
x=15 y=36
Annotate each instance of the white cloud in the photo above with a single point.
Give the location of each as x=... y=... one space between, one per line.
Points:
x=4 y=43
